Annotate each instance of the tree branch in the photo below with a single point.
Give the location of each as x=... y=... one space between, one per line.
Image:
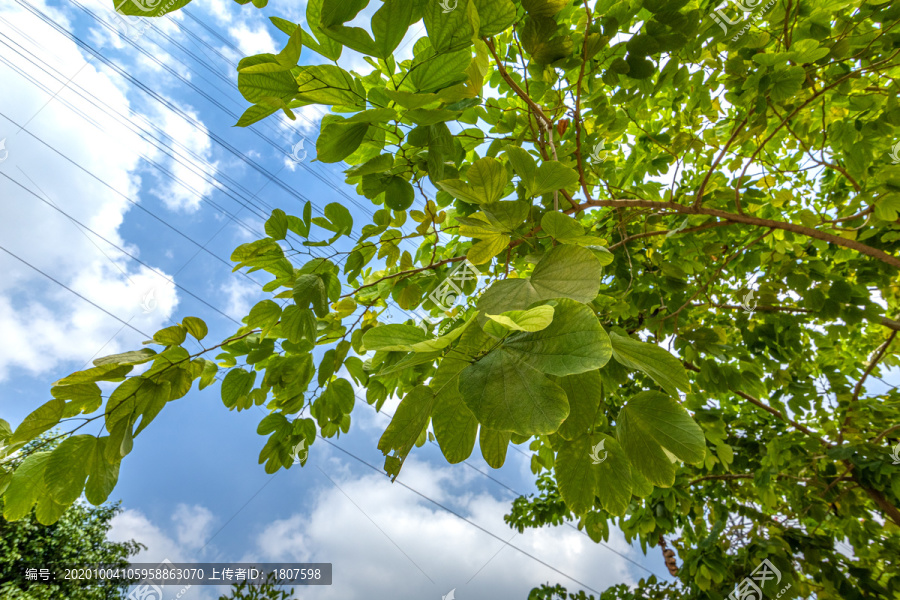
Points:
x=749 y=220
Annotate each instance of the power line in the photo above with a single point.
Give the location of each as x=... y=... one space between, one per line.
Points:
x=122 y=250
x=59 y=283
x=133 y=202
x=517 y=493
x=454 y=513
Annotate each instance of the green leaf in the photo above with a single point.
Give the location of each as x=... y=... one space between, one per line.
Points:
x=639 y=67
x=236 y=385
x=339 y=140
x=786 y=82
x=552 y=176
x=26 y=486
x=447 y=30
x=523 y=164
x=567 y=272
x=151 y=397
x=665 y=369
x=103 y=474
x=576 y=476
x=83 y=397
x=455 y=427
x=494 y=16
x=48 y=511
x=68 y=468
x=40 y=420
x=298 y=324
x=493 y=446
x=139 y=9
x=196 y=327
x=615 y=484
x=490 y=246
x=487 y=182
x=310 y=289
x=134 y=357
x=264 y=314
x=534 y=319
x=585 y=394
x=488 y=177
x=506 y=394
x=104 y=372
x=544 y=8
x=574 y=342
x=506 y=215
x=393 y=337
x=439 y=71
x=277 y=225
x=540 y=40
x=329 y=84
x=254 y=114
x=255 y=87
x=560 y=226
x=170 y=336
x=399 y=194
x=651 y=427
x=409 y=421
x=389 y=25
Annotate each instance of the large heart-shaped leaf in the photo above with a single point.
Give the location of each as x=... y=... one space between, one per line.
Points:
x=665 y=369
x=651 y=427
x=507 y=394
x=574 y=342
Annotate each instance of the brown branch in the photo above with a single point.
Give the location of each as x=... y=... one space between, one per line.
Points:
x=876 y=356
x=515 y=86
x=749 y=220
x=879 y=499
x=405 y=274
x=730 y=476
x=835 y=83
x=715 y=164
x=883 y=321
x=782 y=416
x=668 y=231
x=584 y=59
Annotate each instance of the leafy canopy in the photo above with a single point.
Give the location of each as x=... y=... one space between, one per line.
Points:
x=622 y=174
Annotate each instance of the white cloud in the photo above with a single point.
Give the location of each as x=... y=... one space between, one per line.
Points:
x=45 y=324
x=369 y=558
x=194 y=153
x=240 y=295
x=253 y=38
x=193 y=525
x=177 y=547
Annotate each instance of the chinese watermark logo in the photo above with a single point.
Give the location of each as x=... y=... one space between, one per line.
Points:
x=451 y=595
x=148 y=301
x=134 y=26
x=595 y=154
x=896 y=454
x=4 y=153
x=678 y=229
x=300 y=452
x=745 y=303
x=751 y=587
x=745 y=7
x=895 y=154
x=595 y=453
x=448 y=7
x=295 y=152
x=146 y=591
x=447 y=294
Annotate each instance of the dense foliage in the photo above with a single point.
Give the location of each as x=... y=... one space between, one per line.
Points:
x=684 y=223
x=77 y=538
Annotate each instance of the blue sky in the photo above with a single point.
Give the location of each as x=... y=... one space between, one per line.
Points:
x=124 y=173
